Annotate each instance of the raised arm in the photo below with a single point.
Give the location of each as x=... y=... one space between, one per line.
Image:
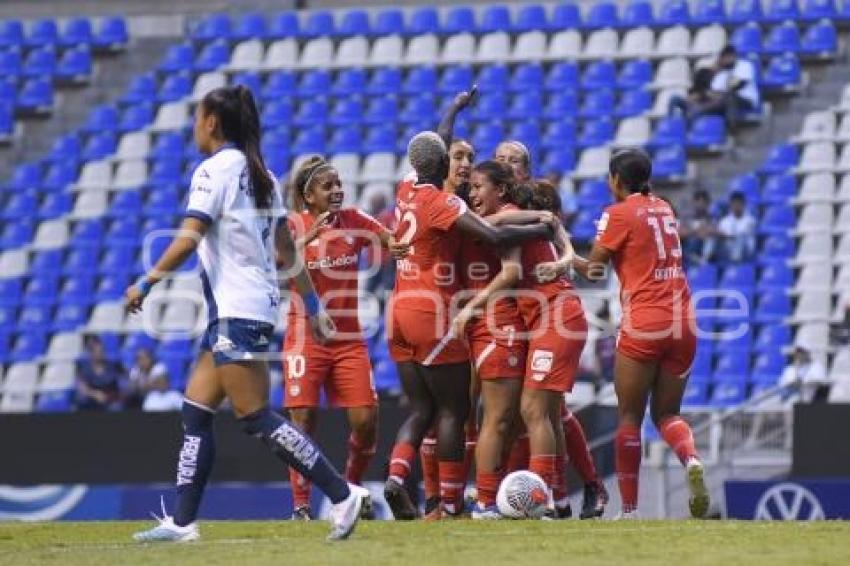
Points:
x=506 y=279
x=447 y=124
x=503 y=236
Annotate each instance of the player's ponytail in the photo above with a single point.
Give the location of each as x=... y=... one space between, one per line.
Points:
x=633 y=168
x=239 y=122
x=303 y=177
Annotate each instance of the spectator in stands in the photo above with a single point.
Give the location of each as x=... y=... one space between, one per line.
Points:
x=148 y=387
x=99 y=379
x=698 y=230
x=738 y=230
x=805 y=380
x=736 y=80
x=701 y=99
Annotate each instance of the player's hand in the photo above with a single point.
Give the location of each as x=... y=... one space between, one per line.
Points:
x=320 y=222
x=398 y=250
x=322 y=326
x=547 y=217
x=461 y=320
x=133 y=299
x=465 y=98
x=548 y=271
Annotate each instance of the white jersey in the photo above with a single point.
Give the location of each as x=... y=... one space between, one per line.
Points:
x=237 y=253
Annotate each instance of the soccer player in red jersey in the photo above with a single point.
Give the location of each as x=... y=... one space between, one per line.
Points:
x=433 y=363
x=552 y=315
x=331 y=239
x=657 y=342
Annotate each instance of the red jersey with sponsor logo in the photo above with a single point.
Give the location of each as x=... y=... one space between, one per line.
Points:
x=478 y=265
x=332 y=260
x=642 y=233
x=427 y=279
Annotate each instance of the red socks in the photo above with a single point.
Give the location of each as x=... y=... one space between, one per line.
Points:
x=300 y=489
x=430 y=466
x=544 y=466
x=677 y=434
x=469 y=452
x=452 y=483
x=559 y=485
x=577 y=450
x=487 y=484
x=401 y=461
x=627 y=462
x=519 y=454
x=359 y=456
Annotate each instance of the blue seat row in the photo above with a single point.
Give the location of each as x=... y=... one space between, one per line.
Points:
x=74 y=64
x=111 y=33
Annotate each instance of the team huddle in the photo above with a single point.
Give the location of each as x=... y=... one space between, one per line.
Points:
x=483 y=320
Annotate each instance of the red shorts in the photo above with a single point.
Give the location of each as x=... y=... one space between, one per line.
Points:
x=498 y=353
x=674 y=350
x=554 y=352
x=341 y=368
x=418 y=336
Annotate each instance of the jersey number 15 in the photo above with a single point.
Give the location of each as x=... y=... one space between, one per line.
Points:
x=666 y=225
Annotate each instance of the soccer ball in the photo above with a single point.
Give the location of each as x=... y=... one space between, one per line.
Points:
x=522 y=495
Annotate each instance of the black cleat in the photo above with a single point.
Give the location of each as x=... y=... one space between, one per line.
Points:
x=302 y=513
x=399 y=501
x=367 y=511
x=563 y=512
x=594 y=501
x=431 y=504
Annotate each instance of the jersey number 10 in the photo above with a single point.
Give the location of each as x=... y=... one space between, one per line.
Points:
x=671 y=228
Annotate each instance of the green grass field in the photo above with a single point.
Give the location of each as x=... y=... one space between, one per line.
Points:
x=423 y=544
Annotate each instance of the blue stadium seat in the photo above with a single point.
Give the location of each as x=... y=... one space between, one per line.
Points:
x=54 y=206
x=703 y=362
x=213 y=56
x=768 y=367
x=456 y=79
x=635 y=74
x=30 y=344
x=167 y=145
x=385 y=80
x=820 y=40
x=251 y=80
x=42 y=291
x=111 y=34
x=176 y=86
x=349 y=81
x=142 y=89
x=779 y=189
x=495 y=18
x=25 y=176
x=596 y=132
x=355 y=22
x=633 y=102
x=284 y=24
x=346 y=112
x=313 y=111
x=783 y=74
x=674 y=12
x=747 y=39
x=388 y=21
x=11 y=291
x=47 y=262
x=783 y=38
x=314 y=83
x=319 y=23
x=16 y=233
x=703 y=276
x=280 y=84
x=125 y=204
x=709 y=12
x=309 y=140
x=77 y=31
x=41 y=33
x=696 y=393
x=527 y=132
x=493 y=78
x=814 y=10
x=380 y=139
x=670 y=163
x=250 y=26
x=487 y=136
x=772 y=338
x=491 y=106
x=668 y=131
x=732 y=366
x=583 y=228
x=178 y=58
x=776 y=276
x=78 y=289
x=40 y=62
x=597 y=104
x=459 y=19
x=559 y=133
x=593 y=193
x=87 y=234
x=782 y=10
x=602 y=15
x=9 y=90
x=123 y=231
x=11 y=33
x=531 y=17
x=278 y=113
x=386 y=376
x=418 y=108
x=599 y=75
x=20 y=205
x=745 y=11
x=779 y=246
x=55 y=401
x=81 y=260
x=739 y=276
x=212 y=28
x=777 y=219
x=562 y=105
x=136 y=117
x=528 y=76
x=8 y=323
x=11 y=66
x=638 y=13
x=772 y=306
x=729 y=392
x=566 y=15
x=121 y=259
x=111 y=287
x=707 y=133
x=424 y=20
x=382 y=110
x=164 y=200
x=748 y=185
x=71 y=316
x=526 y=105
x=35 y=319
x=7 y=120
x=562 y=76
x=422 y=79
x=75 y=65
x=780 y=159
x=101 y=119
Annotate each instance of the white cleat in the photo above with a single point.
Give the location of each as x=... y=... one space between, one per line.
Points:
x=486 y=513
x=627 y=516
x=699 y=499
x=167 y=531
x=344 y=515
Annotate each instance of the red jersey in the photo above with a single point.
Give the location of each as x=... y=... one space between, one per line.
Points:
x=479 y=264
x=332 y=260
x=642 y=233
x=427 y=279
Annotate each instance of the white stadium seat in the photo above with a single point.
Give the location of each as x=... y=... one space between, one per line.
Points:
x=378 y=167
x=171 y=116
x=107 y=317
x=817 y=126
x=348 y=167
x=602 y=44
x=817 y=156
x=814 y=276
x=90 y=204
x=282 y=54
x=16 y=402
x=813 y=306
x=22 y=376
x=247 y=56
x=207 y=82
x=843 y=194
x=817 y=187
x=592 y=163
x=14 y=263
x=814 y=248
x=843 y=164
x=387 y=50
x=842 y=280
x=565 y=44
x=674 y=42
x=180 y=316
x=186 y=286
x=839 y=374
x=843 y=132
x=842 y=253
x=96 y=175
x=813 y=336
x=57 y=376
x=318 y=53
x=422 y=50
x=708 y=41
x=130 y=174
x=842 y=224
x=352 y=52
x=672 y=73
x=662 y=101
x=134 y=145
x=638 y=43
x=65 y=346
x=633 y=131
x=51 y=234
x=815 y=218
x=583 y=393
x=458 y=48
x=493 y=47
x=844 y=105
x=530 y=46
x=372 y=189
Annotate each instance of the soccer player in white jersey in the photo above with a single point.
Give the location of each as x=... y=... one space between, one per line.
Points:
x=232 y=220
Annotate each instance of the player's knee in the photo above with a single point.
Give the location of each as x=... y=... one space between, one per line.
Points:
x=533 y=412
x=363 y=424
x=196 y=417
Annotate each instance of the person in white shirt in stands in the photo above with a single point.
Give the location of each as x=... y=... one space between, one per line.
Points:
x=805 y=380
x=149 y=385
x=737 y=79
x=738 y=230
